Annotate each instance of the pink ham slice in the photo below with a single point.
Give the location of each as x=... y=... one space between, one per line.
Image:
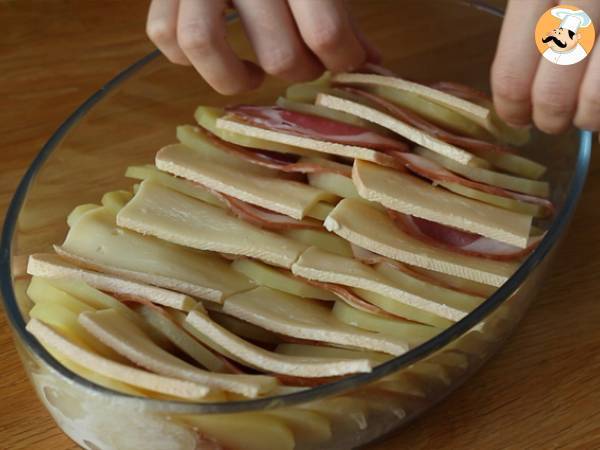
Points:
x=315 y=127
x=376 y=69
x=459 y=241
x=462 y=91
x=476 y=146
x=370 y=258
x=273 y=160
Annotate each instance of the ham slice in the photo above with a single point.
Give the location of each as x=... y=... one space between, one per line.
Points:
x=461 y=90
x=370 y=258
x=307 y=125
x=376 y=69
x=262 y=217
x=457 y=240
x=279 y=161
x=476 y=146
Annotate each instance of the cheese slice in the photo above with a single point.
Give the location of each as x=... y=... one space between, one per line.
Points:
x=291 y=198
x=401 y=128
x=53 y=267
x=410 y=195
x=304 y=319
x=176 y=218
x=318 y=265
x=148 y=260
x=371 y=228
x=163 y=324
x=113 y=370
x=258 y=357
x=478 y=113
x=124 y=337
x=229 y=123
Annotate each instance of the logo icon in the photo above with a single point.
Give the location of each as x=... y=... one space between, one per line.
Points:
x=565 y=35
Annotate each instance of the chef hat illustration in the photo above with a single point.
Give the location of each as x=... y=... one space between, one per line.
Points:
x=571 y=20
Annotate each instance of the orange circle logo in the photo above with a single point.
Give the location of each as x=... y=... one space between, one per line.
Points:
x=565 y=35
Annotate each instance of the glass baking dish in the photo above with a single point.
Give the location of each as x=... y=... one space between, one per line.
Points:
x=133 y=115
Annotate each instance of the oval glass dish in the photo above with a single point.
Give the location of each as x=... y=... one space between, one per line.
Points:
x=134 y=115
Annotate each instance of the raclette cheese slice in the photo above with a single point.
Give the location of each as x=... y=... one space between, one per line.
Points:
x=53 y=267
x=258 y=357
x=287 y=197
x=229 y=124
x=407 y=131
x=410 y=195
x=318 y=265
x=114 y=370
x=304 y=319
x=124 y=337
x=369 y=227
x=174 y=217
x=95 y=242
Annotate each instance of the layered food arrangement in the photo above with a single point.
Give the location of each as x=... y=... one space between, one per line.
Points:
x=275 y=248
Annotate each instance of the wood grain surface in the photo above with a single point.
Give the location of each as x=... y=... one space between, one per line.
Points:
x=541 y=391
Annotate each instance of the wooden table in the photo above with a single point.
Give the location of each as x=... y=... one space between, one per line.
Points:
x=541 y=391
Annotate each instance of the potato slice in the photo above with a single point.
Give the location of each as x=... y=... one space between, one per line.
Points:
x=125 y=338
x=307 y=92
x=287 y=197
x=408 y=194
x=411 y=332
x=320 y=211
x=174 y=217
x=407 y=131
x=41 y=291
x=304 y=319
x=368 y=227
x=457 y=283
x=148 y=260
x=244 y=329
x=315 y=264
x=310 y=367
x=115 y=200
x=207 y=117
x=79 y=211
x=186 y=187
x=530 y=209
x=270 y=277
x=190 y=346
x=53 y=267
x=114 y=370
x=23 y=301
x=510 y=182
x=335 y=183
x=309 y=427
x=321 y=239
x=243 y=430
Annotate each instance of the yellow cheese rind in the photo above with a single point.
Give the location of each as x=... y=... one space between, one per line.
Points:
x=176 y=218
x=125 y=338
x=287 y=197
x=332 y=148
x=368 y=227
x=409 y=132
x=148 y=260
x=304 y=319
x=254 y=356
x=410 y=195
x=51 y=266
x=318 y=265
x=113 y=370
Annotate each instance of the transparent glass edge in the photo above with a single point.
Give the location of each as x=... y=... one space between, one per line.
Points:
x=422 y=351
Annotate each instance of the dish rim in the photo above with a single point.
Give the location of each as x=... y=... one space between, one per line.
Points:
x=414 y=355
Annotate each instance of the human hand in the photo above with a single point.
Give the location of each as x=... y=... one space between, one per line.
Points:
x=527 y=87
x=293 y=39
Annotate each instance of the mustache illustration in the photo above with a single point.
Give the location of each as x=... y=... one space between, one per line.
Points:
x=556 y=41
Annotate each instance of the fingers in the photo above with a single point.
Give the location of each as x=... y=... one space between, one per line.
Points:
x=326 y=28
x=280 y=51
x=161 y=28
x=201 y=35
x=588 y=112
x=516 y=61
